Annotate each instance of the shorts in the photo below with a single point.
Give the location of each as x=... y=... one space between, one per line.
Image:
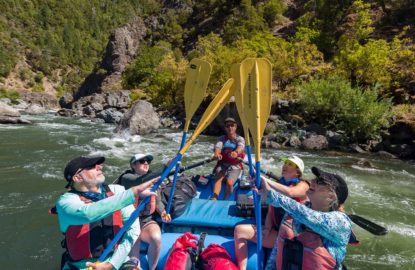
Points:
x=231 y=172
x=144 y=221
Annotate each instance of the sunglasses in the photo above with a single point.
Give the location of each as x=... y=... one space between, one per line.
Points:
x=142 y=161
x=87 y=168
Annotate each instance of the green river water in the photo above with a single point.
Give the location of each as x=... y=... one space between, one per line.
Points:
x=32 y=159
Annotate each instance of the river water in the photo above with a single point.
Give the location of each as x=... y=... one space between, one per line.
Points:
x=32 y=159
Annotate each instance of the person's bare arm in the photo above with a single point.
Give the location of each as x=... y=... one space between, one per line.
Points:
x=298 y=190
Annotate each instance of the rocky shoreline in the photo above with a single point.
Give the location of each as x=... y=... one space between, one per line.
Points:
x=284 y=129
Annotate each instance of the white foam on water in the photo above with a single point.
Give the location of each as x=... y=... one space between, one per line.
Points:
x=58 y=126
x=366 y=169
x=386 y=259
x=11 y=126
x=402 y=229
x=47 y=175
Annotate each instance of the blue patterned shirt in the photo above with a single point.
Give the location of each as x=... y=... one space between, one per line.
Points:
x=334 y=227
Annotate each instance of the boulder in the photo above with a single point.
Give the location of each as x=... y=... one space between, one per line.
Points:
x=140 y=119
x=110 y=116
x=20 y=105
x=35 y=109
x=9 y=115
x=315 y=142
x=8 y=111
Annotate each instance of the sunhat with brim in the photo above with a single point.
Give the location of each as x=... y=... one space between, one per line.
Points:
x=138 y=157
x=75 y=164
x=297 y=161
x=336 y=181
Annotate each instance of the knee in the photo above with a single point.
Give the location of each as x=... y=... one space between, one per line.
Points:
x=239 y=232
x=229 y=183
x=156 y=238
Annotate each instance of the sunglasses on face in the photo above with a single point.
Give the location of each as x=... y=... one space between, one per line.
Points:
x=87 y=168
x=143 y=161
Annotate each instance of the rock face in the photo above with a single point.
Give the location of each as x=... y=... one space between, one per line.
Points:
x=107 y=106
x=315 y=142
x=140 y=119
x=120 y=51
x=9 y=115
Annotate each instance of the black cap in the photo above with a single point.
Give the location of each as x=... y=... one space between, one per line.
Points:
x=337 y=181
x=80 y=163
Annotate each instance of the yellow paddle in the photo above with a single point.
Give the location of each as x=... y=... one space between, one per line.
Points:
x=255 y=82
x=197 y=78
x=211 y=112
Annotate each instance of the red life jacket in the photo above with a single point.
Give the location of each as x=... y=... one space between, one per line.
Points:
x=311 y=253
x=228 y=147
x=90 y=240
x=149 y=208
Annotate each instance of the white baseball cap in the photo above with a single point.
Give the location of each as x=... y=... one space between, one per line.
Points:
x=138 y=157
x=297 y=161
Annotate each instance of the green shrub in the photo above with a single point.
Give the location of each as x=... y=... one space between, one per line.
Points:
x=39 y=77
x=38 y=87
x=336 y=105
x=10 y=94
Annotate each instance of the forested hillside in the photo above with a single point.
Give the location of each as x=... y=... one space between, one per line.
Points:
x=359 y=49
x=62 y=38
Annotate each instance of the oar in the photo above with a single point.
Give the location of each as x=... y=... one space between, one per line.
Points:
x=368 y=225
x=211 y=112
x=256 y=79
x=365 y=224
x=197 y=79
x=197 y=164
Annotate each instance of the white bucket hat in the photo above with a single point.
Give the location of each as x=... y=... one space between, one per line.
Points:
x=297 y=161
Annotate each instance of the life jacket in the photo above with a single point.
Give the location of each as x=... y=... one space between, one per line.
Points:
x=277 y=213
x=90 y=240
x=150 y=207
x=228 y=147
x=304 y=251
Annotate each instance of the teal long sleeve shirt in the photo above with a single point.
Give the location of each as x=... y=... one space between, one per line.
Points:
x=73 y=211
x=334 y=227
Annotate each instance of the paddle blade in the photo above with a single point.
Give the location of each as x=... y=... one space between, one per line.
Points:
x=236 y=75
x=255 y=78
x=211 y=112
x=368 y=225
x=197 y=79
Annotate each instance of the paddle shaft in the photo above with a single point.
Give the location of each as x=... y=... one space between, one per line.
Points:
x=176 y=172
x=368 y=225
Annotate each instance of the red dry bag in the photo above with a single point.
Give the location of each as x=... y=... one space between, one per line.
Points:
x=215 y=257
